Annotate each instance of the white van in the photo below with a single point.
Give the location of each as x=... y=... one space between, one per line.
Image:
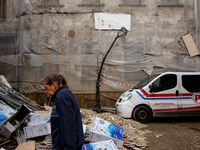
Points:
x=162 y=95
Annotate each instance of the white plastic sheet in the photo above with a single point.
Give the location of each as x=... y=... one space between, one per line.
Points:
x=43 y=46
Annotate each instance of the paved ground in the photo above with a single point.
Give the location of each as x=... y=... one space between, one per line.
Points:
x=174 y=134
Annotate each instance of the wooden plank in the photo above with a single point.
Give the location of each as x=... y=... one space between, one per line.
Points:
x=26 y=146
x=190 y=44
x=47 y=110
x=41 y=112
x=5 y=142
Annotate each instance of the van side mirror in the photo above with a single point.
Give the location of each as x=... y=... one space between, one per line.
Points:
x=152 y=87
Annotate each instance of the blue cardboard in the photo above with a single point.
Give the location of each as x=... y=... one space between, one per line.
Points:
x=108 y=145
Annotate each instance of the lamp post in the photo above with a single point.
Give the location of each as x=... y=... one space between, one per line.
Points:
x=121 y=33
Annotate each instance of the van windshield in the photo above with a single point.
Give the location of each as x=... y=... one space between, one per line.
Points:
x=145 y=81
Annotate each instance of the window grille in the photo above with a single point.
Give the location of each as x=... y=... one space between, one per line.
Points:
x=91 y=1
x=169 y=2
x=2 y=10
x=131 y=2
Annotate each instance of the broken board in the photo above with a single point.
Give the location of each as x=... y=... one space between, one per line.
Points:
x=190 y=44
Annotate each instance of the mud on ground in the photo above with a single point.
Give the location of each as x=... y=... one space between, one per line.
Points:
x=173 y=134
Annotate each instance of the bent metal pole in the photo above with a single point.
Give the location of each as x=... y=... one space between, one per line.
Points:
x=98 y=105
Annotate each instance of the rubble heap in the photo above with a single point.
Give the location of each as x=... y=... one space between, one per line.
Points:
x=23 y=123
x=13 y=98
x=133 y=133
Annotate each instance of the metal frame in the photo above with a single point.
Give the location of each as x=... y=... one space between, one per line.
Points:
x=121 y=33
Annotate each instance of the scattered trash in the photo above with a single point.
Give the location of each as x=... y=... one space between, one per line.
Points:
x=5 y=111
x=13 y=98
x=37 y=130
x=85 y=129
x=47 y=110
x=133 y=133
x=103 y=130
x=12 y=123
x=26 y=146
x=45 y=144
x=104 y=145
x=130 y=136
x=158 y=135
x=37 y=118
x=22 y=121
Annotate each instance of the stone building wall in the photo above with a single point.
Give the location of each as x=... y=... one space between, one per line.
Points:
x=60 y=37
x=8 y=37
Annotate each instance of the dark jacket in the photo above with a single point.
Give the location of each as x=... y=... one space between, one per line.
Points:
x=66 y=121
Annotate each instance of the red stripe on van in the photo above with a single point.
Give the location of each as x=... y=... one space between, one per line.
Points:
x=164 y=95
x=173 y=109
x=186 y=94
x=176 y=109
x=190 y=108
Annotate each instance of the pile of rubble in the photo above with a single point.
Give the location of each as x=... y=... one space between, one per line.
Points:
x=14 y=98
x=133 y=132
x=25 y=125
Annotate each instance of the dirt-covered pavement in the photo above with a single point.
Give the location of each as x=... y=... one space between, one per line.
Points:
x=173 y=134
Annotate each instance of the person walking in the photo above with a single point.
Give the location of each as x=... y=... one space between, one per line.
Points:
x=66 y=121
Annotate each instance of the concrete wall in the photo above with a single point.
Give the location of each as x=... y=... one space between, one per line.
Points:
x=8 y=40
x=197 y=19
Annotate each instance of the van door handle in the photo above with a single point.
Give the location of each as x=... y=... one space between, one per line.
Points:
x=177 y=93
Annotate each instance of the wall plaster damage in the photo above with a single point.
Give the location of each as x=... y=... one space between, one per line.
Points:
x=38 y=39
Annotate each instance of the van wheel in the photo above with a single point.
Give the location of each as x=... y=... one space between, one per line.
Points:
x=142 y=114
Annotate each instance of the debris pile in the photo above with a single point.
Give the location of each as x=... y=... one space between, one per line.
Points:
x=133 y=132
x=109 y=144
x=24 y=124
x=14 y=98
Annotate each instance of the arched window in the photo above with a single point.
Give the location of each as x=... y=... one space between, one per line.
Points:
x=2 y=10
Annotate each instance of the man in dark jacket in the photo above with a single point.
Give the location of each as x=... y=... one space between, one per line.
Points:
x=66 y=121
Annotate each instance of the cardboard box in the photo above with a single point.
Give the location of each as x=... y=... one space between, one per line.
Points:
x=26 y=146
x=108 y=145
x=103 y=131
x=36 y=119
x=37 y=130
x=12 y=123
x=85 y=129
